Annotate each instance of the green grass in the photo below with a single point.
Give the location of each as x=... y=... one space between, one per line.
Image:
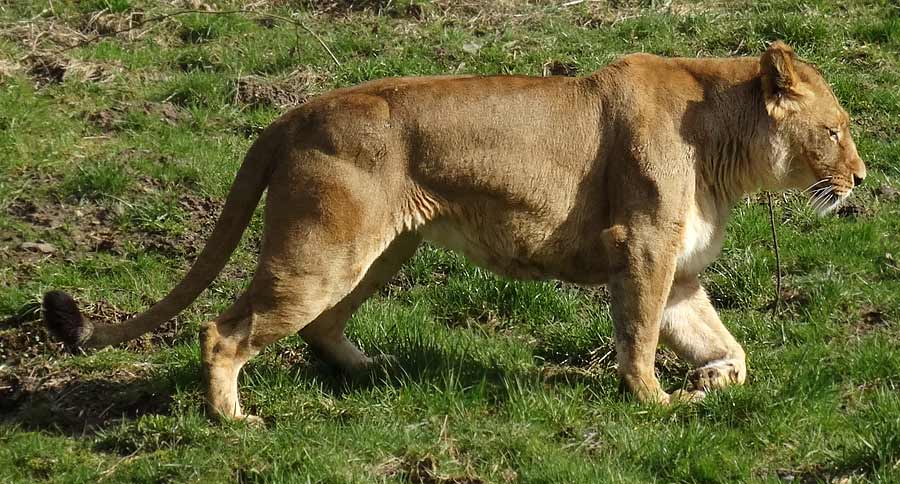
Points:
x=123 y=164
x=95 y=181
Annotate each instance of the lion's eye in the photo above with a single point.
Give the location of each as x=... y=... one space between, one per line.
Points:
x=833 y=134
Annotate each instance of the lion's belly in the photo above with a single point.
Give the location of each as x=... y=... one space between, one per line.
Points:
x=522 y=248
x=532 y=241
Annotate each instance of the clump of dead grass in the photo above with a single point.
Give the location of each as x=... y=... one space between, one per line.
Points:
x=423 y=470
x=281 y=93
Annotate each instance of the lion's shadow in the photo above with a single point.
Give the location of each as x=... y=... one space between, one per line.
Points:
x=440 y=366
x=77 y=406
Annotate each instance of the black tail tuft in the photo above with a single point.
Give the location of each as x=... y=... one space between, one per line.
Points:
x=64 y=320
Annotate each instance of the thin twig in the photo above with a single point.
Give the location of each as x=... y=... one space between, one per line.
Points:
x=160 y=18
x=776 y=305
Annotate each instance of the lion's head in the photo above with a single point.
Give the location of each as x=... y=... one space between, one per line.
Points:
x=813 y=129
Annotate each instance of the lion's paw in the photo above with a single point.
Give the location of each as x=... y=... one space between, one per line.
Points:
x=377 y=363
x=686 y=396
x=251 y=420
x=384 y=360
x=241 y=420
x=717 y=374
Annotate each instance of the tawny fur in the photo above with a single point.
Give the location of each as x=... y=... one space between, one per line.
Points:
x=624 y=177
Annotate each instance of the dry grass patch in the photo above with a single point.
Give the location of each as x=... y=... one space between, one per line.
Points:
x=281 y=93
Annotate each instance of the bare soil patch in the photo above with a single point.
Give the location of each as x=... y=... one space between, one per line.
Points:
x=45 y=40
x=45 y=69
x=114 y=118
x=93 y=226
x=887 y=192
x=597 y=359
x=870 y=319
x=852 y=209
x=201 y=213
x=24 y=337
x=791 y=298
x=86 y=228
x=49 y=68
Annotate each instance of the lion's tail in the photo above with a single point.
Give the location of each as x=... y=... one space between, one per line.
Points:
x=65 y=321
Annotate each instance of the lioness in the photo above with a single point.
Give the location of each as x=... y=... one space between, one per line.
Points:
x=624 y=177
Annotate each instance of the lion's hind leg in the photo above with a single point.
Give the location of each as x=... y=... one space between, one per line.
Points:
x=326 y=334
x=323 y=230
x=694 y=331
x=224 y=350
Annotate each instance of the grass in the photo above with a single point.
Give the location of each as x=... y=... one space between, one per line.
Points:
x=122 y=162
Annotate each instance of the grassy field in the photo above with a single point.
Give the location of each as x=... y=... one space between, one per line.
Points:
x=120 y=133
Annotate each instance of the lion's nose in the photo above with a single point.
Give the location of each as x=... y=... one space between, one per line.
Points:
x=857 y=181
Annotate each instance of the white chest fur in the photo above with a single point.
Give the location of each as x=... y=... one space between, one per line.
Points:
x=702 y=238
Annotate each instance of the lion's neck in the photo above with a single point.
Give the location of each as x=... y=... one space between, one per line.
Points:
x=737 y=156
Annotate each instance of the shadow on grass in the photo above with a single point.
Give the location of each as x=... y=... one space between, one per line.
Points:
x=440 y=366
x=67 y=403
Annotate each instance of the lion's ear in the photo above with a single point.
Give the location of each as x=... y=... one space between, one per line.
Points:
x=782 y=87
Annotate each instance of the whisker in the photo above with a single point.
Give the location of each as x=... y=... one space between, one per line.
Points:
x=822 y=199
x=835 y=203
x=817 y=204
x=822 y=189
x=829 y=201
x=823 y=180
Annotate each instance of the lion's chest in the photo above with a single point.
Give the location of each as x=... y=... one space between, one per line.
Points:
x=701 y=240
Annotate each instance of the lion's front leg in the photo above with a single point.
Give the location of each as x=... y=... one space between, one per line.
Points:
x=642 y=266
x=694 y=331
